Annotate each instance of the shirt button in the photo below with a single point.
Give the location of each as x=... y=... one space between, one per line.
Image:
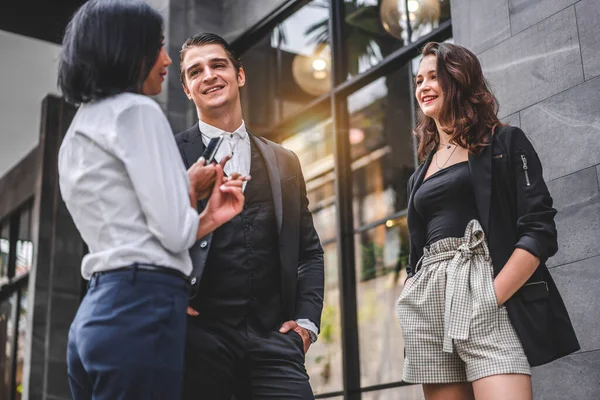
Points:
x=193 y=280
x=203 y=244
x=245 y=206
x=248 y=227
x=250 y=250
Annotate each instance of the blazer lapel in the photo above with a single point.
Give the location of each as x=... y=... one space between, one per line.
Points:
x=193 y=145
x=274 y=179
x=480 y=166
x=419 y=178
x=193 y=148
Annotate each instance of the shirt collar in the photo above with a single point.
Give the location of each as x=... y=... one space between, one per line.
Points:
x=212 y=131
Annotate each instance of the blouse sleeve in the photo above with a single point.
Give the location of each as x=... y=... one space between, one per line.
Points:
x=146 y=145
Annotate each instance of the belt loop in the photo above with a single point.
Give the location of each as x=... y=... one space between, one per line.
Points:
x=134 y=268
x=93 y=282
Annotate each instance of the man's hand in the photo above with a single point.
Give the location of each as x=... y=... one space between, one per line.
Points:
x=293 y=326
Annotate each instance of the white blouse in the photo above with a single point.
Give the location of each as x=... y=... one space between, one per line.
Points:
x=123 y=182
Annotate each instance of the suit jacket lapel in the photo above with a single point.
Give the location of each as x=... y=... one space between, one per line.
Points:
x=480 y=166
x=274 y=179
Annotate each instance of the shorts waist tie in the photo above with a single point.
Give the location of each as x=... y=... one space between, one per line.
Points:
x=458 y=307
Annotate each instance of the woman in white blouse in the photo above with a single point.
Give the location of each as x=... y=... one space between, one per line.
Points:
x=130 y=197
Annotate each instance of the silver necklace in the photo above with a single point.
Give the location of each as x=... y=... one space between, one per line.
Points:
x=447 y=159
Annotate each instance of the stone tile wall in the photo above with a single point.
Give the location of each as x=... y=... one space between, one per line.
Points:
x=542 y=57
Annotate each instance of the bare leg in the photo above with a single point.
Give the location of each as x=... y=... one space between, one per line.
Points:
x=448 y=391
x=506 y=386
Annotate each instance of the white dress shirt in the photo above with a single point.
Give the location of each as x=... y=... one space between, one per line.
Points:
x=123 y=182
x=237 y=145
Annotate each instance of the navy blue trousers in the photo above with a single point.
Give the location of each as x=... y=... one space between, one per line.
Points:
x=128 y=337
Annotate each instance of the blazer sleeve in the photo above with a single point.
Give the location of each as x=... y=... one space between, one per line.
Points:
x=536 y=230
x=311 y=268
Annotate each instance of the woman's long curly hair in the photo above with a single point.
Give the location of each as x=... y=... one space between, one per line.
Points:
x=469 y=111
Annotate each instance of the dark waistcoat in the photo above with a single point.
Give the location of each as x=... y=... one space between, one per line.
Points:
x=242 y=278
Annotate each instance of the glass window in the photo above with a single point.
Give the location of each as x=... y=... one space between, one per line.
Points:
x=324 y=360
x=314 y=147
x=313 y=144
x=375 y=28
x=7 y=312
x=381 y=256
x=382 y=147
x=24 y=244
x=21 y=343
x=288 y=69
x=4 y=250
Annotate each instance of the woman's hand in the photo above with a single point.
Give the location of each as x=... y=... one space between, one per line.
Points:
x=225 y=202
x=517 y=270
x=202 y=177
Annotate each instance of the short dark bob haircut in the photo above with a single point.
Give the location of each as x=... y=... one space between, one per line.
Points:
x=109 y=47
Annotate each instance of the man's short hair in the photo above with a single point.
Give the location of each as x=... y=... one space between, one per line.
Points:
x=201 y=39
x=109 y=47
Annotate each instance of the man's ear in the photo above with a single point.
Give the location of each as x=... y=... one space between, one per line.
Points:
x=241 y=77
x=186 y=91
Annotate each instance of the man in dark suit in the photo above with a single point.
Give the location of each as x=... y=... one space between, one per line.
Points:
x=257 y=283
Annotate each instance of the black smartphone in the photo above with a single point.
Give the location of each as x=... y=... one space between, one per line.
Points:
x=211 y=150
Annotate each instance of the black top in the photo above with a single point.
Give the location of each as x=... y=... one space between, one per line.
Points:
x=446 y=202
x=515 y=211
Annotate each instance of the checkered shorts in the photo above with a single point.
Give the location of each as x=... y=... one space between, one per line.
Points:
x=453 y=329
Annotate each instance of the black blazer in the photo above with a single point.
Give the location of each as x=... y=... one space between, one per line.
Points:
x=301 y=255
x=515 y=210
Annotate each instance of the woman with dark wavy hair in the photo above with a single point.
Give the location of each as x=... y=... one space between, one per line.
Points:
x=133 y=203
x=479 y=307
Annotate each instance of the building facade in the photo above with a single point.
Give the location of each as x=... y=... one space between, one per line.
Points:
x=333 y=81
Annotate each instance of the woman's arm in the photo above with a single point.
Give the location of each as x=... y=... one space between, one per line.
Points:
x=517 y=270
x=536 y=230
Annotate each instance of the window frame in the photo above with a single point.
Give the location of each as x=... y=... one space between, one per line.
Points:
x=342 y=88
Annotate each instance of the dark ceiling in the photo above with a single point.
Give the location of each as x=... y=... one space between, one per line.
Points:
x=41 y=19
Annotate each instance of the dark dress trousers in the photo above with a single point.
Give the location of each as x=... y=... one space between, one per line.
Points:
x=515 y=210
x=260 y=269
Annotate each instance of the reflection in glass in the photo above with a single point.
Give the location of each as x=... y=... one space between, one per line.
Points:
x=24 y=244
x=381 y=147
x=21 y=343
x=381 y=256
x=376 y=28
x=324 y=360
x=409 y=20
x=313 y=144
x=286 y=70
x=6 y=345
x=4 y=250
x=314 y=148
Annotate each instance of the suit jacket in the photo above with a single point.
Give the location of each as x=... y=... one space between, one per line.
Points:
x=515 y=211
x=300 y=252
